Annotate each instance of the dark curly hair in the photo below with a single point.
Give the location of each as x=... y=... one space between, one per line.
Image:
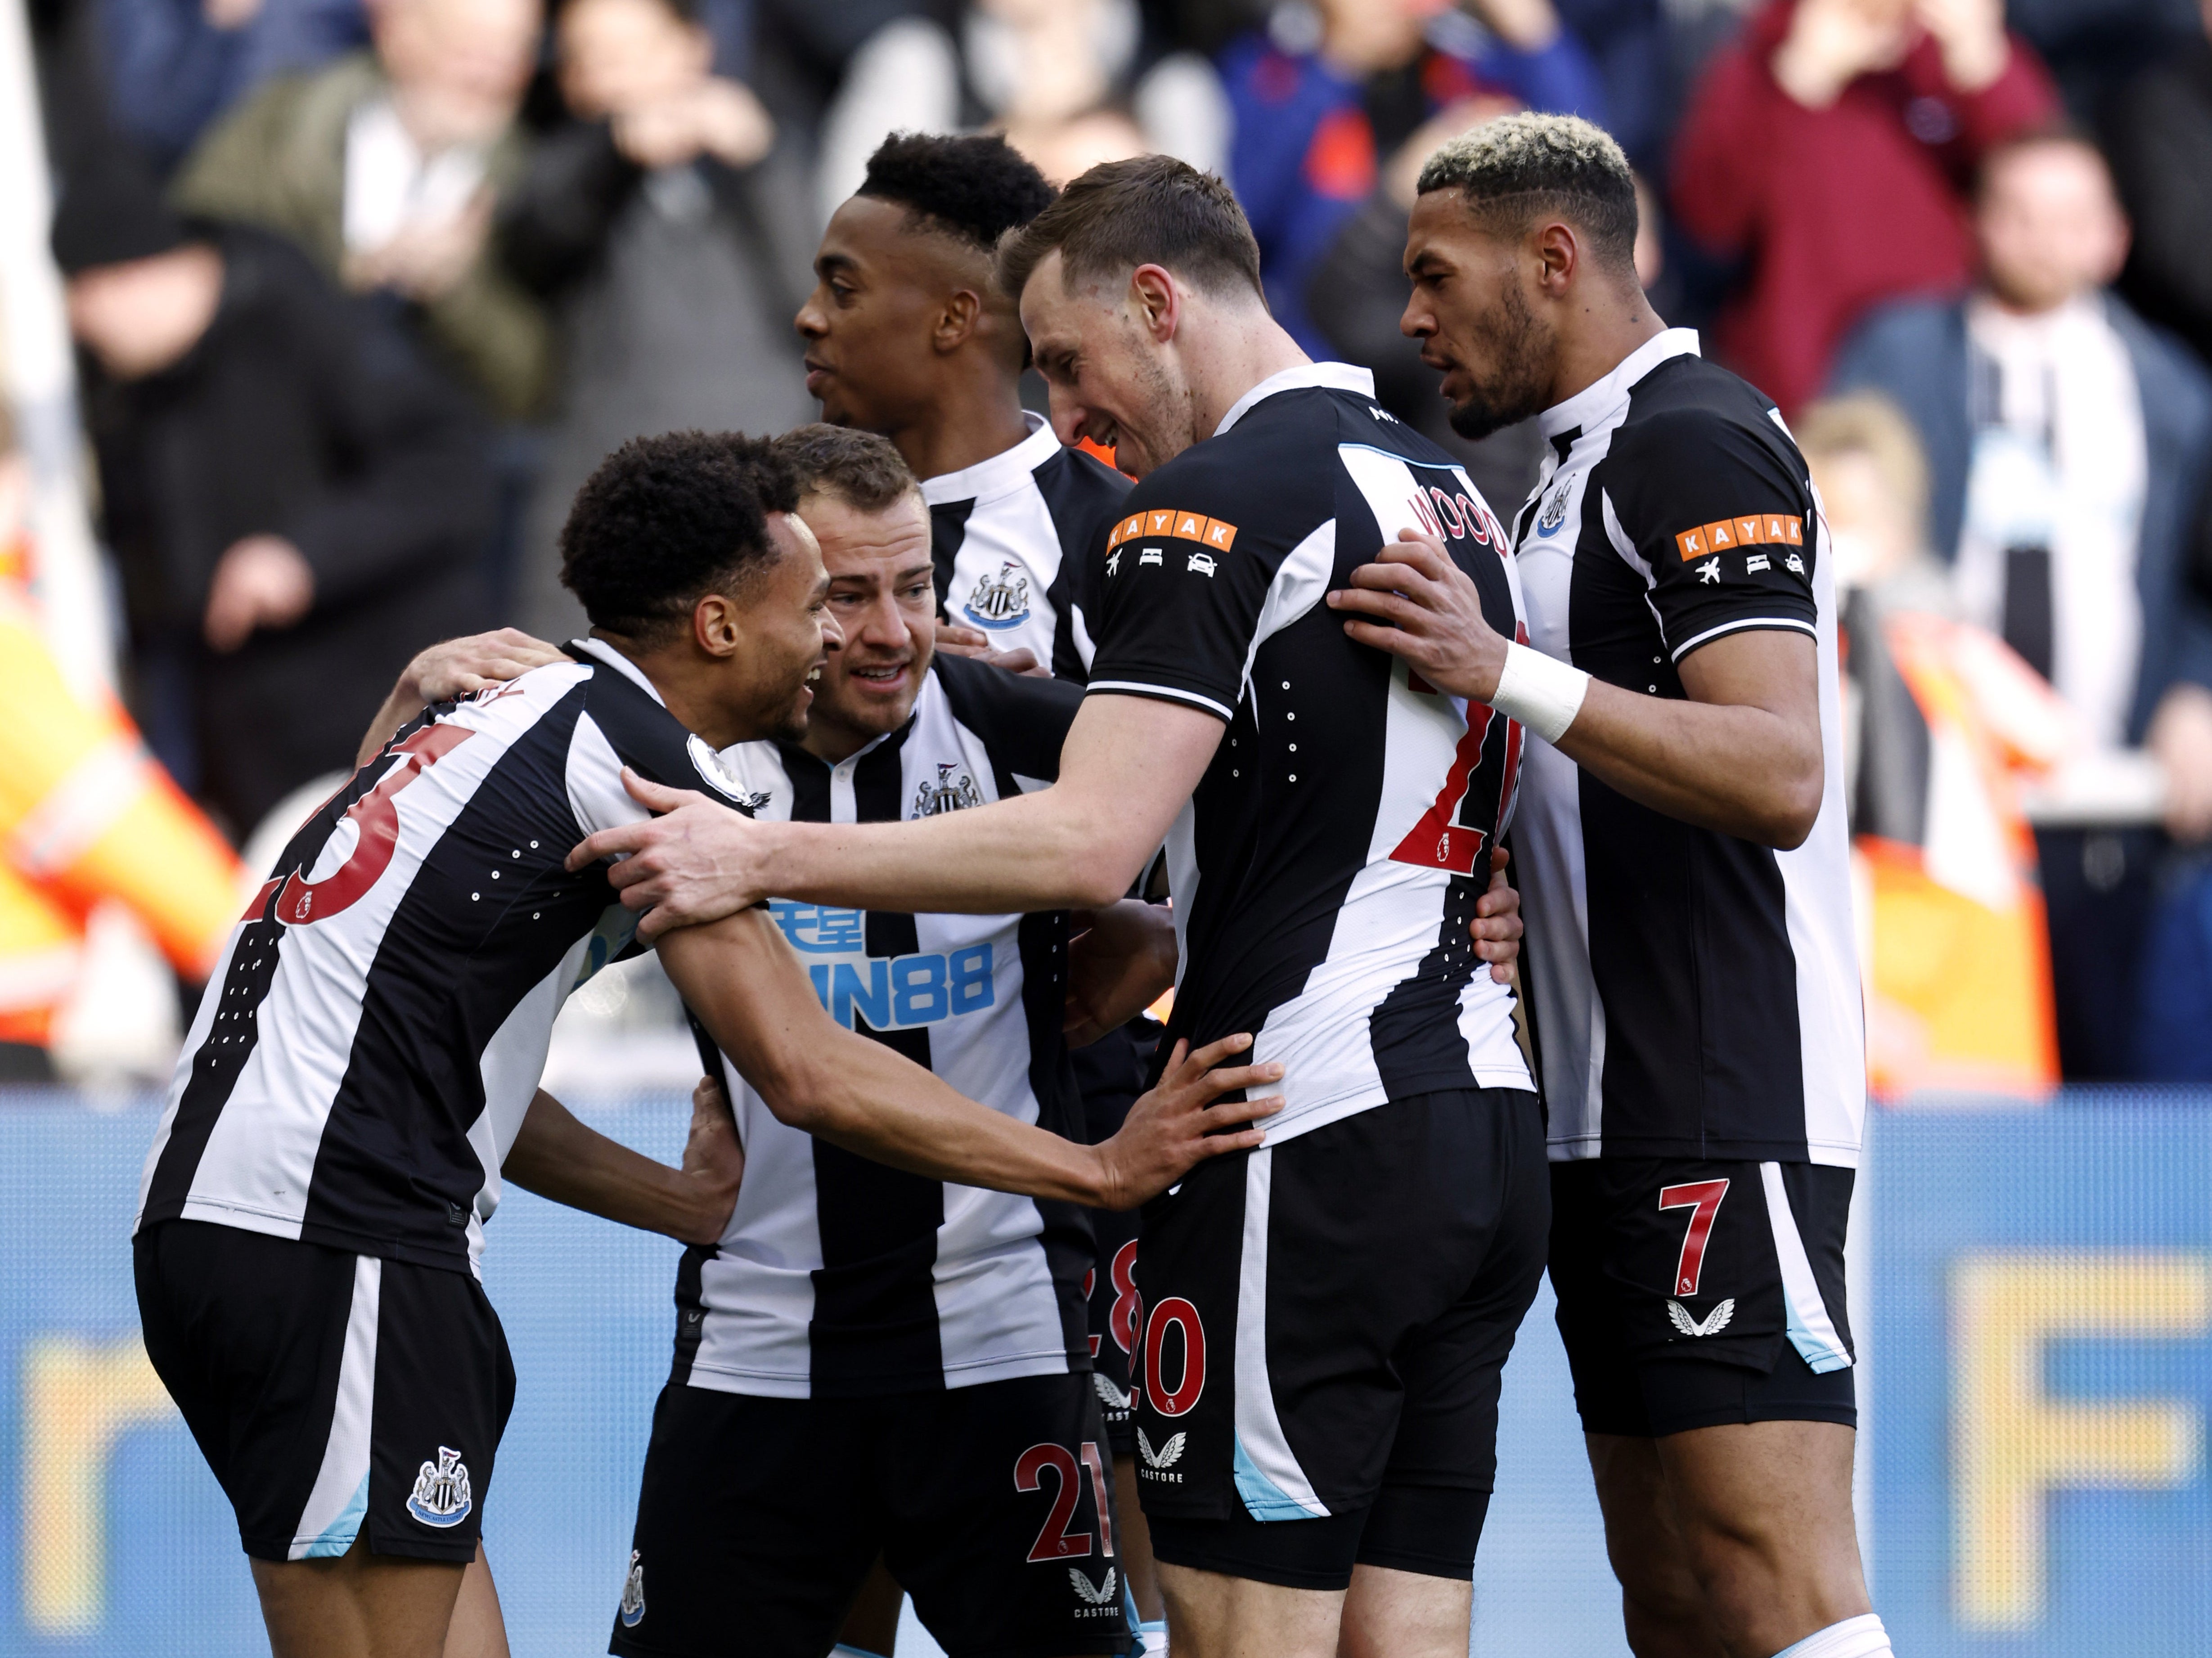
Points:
x=665 y=520
x=975 y=187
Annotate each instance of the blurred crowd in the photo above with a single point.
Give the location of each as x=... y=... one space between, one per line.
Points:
x=363 y=289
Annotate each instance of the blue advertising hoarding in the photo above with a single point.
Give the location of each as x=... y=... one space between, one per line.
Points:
x=2036 y=1303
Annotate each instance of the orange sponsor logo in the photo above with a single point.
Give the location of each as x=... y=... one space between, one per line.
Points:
x=1217 y=534
x=1750 y=529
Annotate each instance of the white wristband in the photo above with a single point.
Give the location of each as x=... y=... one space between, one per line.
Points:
x=1541 y=692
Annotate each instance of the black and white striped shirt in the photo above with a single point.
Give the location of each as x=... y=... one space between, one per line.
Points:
x=1696 y=995
x=1327 y=866
x=1012 y=537
x=358 y=1070
x=837 y=1276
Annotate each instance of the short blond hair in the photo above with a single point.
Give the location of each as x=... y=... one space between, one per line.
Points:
x=1511 y=169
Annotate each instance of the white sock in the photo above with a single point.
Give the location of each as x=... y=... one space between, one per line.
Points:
x=1863 y=1637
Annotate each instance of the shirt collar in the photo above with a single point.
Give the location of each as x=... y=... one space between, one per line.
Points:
x=1336 y=376
x=1590 y=407
x=599 y=651
x=1002 y=472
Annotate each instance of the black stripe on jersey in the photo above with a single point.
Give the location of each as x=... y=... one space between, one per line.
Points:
x=1084 y=496
x=690 y=1296
x=948 y=528
x=875 y=1296
x=232 y=1039
x=405 y=1104
x=1022 y=719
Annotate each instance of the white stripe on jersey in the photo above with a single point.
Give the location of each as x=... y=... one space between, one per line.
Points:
x=1010 y=546
x=1393 y=912
x=258 y=1167
x=998 y=1308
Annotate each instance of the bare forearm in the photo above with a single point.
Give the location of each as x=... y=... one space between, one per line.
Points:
x=558 y=1157
x=1034 y=852
x=1739 y=769
x=862 y=1095
x=399 y=707
x=756 y=1002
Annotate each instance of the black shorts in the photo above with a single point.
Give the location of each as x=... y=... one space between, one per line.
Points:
x=1110 y=1074
x=1695 y=1293
x=1324 y=1325
x=333 y=1394
x=759 y=1518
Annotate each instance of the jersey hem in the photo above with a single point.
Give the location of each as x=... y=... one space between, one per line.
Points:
x=1303 y=1120
x=785 y=1384
x=1580 y=1148
x=245 y=1220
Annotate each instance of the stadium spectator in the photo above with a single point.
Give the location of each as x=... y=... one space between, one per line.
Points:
x=1628 y=41
x=2158 y=134
x=384 y=167
x=296 y=503
x=1829 y=146
x=1956 y=962
x=172 y=66
x=1319 y=114
x=2068 y=443
x=668 y=227
x=1071 y=82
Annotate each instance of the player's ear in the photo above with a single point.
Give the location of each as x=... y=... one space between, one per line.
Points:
x=1157 y=301
x=715 y=625
x=1559 y=255
x=963 y=312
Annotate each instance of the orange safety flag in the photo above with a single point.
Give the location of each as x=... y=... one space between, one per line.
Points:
x=86 y=814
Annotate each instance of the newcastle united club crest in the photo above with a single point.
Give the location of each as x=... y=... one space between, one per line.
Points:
x=632 y=1600
x=441 y=1496
x=999 y=601
x=952 y=791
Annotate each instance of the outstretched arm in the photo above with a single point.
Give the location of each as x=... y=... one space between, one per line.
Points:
x=1742 y=756
x=1129 y=764
x=739 y=977
x=558 y=1157
x=452 y=668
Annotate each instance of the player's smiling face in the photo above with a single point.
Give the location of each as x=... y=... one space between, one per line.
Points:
x=1112 y=378
x=784 y=635
x=884 y=601
x=1471 y=311
x=880 y=288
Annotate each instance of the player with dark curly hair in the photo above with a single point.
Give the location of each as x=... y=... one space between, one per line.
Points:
x=363 y=1072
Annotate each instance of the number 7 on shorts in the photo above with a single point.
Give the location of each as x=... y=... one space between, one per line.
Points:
x=1703 y=1199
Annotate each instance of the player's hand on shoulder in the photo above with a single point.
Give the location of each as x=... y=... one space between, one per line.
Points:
x=1496 y=927
x=715 y=1157
x=1174 y=1127
x=1414 y=602
x=454 y=667
x=697 y=861
x=975 y=645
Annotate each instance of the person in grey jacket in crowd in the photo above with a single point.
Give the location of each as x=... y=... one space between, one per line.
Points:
x=666 y=227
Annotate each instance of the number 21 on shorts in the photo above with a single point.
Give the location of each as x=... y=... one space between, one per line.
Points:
x=1703 y=1199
